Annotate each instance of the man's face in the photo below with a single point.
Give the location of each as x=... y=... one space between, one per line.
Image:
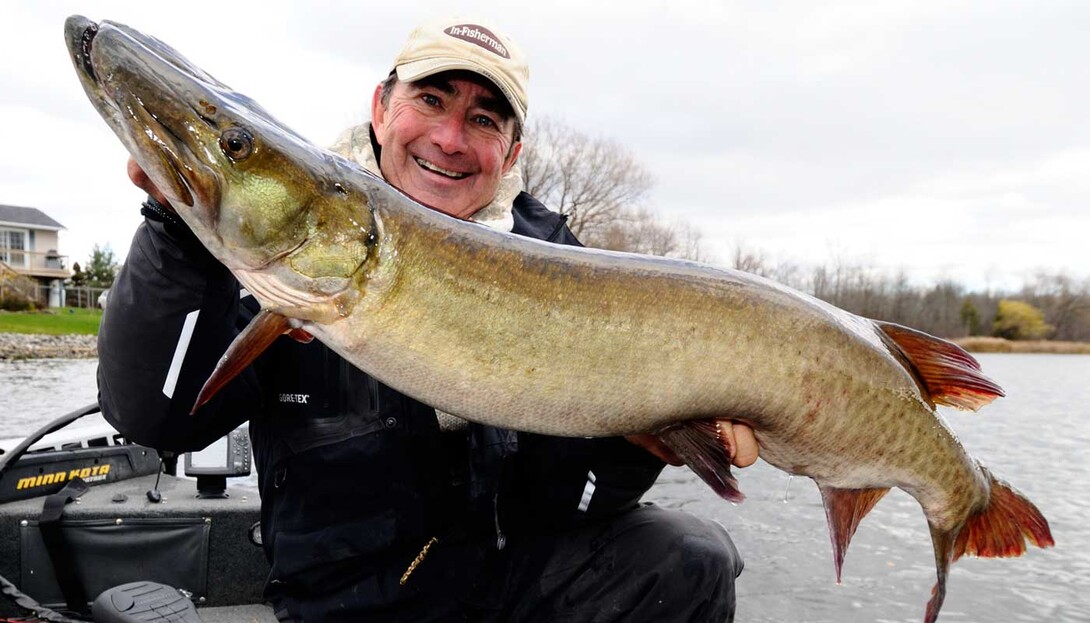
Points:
x=445 y=141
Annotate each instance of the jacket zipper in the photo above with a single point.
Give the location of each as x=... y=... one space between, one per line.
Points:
x=559 y=226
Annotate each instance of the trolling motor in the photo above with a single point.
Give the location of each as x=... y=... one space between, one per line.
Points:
x=147 y=602
x=63 y=468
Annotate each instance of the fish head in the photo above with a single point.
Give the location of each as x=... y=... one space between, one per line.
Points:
x=283 y=215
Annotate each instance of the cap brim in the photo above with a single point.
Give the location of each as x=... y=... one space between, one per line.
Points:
x=416 y=70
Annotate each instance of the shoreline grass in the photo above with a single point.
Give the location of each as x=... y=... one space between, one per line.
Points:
x=58 y=321
x=1000 y=345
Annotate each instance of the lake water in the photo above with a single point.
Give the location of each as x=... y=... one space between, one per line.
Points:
x=1038 y=438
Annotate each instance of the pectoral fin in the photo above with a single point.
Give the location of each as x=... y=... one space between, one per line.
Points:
x=254 y=339
x=844 y=509
x=706 y=451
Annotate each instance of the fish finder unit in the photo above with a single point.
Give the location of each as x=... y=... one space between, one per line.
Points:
x=228 y=456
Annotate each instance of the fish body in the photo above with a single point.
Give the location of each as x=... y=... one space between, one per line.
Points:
x=522 y=334
x=533 y=336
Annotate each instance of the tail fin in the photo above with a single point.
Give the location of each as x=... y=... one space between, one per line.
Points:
x=1000 y=530
x=949 y=374
x=702 y=447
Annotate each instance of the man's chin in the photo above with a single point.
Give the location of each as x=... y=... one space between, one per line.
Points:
x=442 y=203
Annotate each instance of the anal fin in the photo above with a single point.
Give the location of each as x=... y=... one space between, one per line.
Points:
x=247 y=345
x=703 y=447
x=844 y=509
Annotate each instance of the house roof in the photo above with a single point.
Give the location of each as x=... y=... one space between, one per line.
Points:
x=16 y=215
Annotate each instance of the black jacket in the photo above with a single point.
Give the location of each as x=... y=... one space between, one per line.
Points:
x=354 y=476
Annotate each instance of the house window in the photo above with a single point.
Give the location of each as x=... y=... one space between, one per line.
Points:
x=13 y=248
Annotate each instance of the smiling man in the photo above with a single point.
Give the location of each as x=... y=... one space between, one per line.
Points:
x=374 y=506
x=446 y=139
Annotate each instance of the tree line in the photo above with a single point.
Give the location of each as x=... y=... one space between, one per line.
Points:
x=1052 y=306
x=603 y=189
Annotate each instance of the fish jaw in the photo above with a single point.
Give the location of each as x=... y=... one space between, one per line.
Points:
x=129 y=86
x=260 y=198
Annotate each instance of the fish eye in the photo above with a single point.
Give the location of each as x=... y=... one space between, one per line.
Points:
x=236 y=143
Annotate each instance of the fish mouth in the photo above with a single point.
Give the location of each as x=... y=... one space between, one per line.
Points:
x=169 y=147
x=86 y=37
x=145 y=107
x=177 y=122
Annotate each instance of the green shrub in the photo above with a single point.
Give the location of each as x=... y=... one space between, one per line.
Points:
x=16 y=304
x=1018 y=320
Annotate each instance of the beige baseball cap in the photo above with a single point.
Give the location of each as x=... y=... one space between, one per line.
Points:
x=461 y=43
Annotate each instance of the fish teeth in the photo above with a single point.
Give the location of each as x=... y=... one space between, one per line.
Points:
x=431 y=167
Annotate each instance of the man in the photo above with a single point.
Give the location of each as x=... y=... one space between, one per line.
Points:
x=371 y=509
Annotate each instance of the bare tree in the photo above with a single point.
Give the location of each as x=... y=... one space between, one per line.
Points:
x=750 y=261
x=639 y=231
x=1065 y=302
x=598 y=183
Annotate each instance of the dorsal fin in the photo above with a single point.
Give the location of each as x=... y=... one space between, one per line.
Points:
x=949 y=374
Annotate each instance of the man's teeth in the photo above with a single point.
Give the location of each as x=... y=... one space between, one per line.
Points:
x=431 y=167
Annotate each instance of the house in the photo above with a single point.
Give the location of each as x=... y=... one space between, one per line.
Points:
x=29 y=249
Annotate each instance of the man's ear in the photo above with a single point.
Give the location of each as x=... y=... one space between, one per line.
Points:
x=512 y=157
x=378 y=114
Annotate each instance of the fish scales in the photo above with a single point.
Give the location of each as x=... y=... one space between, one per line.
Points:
x=625 y=348
x=600 y=311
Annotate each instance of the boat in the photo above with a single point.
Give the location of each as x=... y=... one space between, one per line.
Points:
x=87 y=515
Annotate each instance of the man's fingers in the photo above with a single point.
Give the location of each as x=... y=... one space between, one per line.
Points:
x=735 y=436
x=144 y=183
x=745 y=445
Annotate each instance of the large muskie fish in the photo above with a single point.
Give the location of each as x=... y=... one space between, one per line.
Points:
x=528 y=335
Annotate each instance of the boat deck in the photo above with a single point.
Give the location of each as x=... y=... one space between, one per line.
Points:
x=236 y=568
x=238 y=614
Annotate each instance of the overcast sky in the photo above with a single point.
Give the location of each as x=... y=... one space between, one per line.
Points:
x=946 y=139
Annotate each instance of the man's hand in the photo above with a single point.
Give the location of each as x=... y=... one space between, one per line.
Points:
x=737 y=436
x=143 y=182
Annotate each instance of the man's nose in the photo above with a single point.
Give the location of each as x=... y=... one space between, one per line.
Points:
x=450 y=134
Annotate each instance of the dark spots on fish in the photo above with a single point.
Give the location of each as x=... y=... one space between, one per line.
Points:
x=812 y=414
x=206 y=111
x=85 y=50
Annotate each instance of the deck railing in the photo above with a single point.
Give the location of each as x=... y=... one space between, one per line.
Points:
x=36 y=263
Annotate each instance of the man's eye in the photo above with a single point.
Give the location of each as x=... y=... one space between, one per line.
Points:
x=430 y=99
x=484 y=122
